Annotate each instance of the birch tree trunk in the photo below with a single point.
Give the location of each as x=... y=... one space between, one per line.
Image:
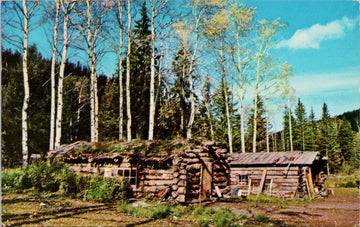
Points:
x=241 y=87
x=152 y=75
x=121 y=92
x=24 y=119
x=61 y=76
x=128 y=100
x=53 y=84
x=229 y=130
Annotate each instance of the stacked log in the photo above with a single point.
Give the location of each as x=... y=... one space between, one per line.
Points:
x=195 y=157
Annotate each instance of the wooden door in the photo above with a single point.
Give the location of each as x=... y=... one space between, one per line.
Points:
x=206 y=181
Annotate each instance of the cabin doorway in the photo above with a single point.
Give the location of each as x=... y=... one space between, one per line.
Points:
x=206 y=181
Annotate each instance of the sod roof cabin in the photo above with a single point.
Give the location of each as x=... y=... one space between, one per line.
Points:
x=180 y=171
x=281 y=174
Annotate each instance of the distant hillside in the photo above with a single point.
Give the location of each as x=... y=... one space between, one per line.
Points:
x=353 y=117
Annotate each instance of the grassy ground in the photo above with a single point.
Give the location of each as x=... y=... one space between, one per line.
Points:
x=29 y=208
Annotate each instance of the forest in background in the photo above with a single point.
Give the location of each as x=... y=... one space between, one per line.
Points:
x=178 y=77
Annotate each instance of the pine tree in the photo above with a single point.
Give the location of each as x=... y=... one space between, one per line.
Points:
x=311 y=131
x=181 y=91
x=299 y=129
x=220 y=119
x=345 y=138
x=260 y=128
x=140 y=75
x=109 y=111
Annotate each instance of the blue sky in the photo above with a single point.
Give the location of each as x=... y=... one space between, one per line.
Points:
x=322 y=44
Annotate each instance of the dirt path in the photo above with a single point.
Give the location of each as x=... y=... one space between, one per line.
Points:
x=338 y=210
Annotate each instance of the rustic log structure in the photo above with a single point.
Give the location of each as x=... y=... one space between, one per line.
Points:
x=191 y=172
x=198 y=170
x=281 y=174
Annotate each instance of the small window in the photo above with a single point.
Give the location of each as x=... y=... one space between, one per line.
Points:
x=101 y=172
x=129 y=174
x=243 y=179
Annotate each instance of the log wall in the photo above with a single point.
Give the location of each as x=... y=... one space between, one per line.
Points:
x=279 y=181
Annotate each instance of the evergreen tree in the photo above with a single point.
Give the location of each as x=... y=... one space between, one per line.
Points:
x=140 y=75
x=220 y=121
x=299 y=129
x=180 y=92
x=324 y=131
x=312 y=132
x=260 y=128
x=109 y=111
x=345 y=138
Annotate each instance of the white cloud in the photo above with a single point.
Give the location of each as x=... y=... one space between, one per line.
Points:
x=325 y=83
x=313 y=36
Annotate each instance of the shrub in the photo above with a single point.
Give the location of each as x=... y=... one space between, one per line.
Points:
x=43 y=175
x=16 y=179
x=106 y=189
x=68 y=182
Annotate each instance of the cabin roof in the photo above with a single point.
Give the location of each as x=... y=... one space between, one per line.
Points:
x=273 y=158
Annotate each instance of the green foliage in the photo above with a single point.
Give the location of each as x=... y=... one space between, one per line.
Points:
x=109 y=111
x=105 y=189
x=44 y=176
x=15 y=179
x=349 y=184
x=54 y=177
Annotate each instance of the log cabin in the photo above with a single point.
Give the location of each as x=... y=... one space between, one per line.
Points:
x=197 y=171
x=281 y=174
x=184 y=172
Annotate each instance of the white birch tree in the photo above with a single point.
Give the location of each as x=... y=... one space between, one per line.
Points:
x=216 y=30
x=91 y=17
x=128 y=98
x=120 y=6
x=288 y=93
x=26 y=11
x=156 y=7
x=66 y=7
x=266 y=31
x=53 y=78
x=241 y=19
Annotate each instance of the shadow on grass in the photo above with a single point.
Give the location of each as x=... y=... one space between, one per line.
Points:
x=30 y=218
